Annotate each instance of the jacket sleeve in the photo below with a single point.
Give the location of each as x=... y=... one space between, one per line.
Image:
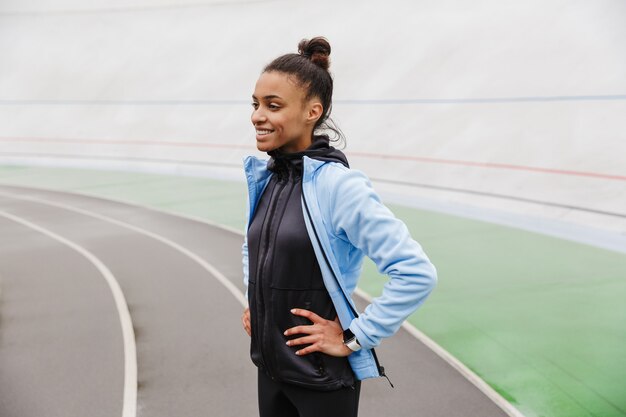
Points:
x=244 y=253
x=359 y=216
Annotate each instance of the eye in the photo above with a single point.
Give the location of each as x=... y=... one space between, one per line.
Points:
x=274 y=106
x=255 y=105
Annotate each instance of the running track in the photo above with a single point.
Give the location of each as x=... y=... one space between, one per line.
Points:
x=65 y=350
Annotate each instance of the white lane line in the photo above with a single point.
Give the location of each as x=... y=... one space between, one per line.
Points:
x=126 y=203
x=478 y=382
x=210 y=268
x=130 y=352
x=492 y=394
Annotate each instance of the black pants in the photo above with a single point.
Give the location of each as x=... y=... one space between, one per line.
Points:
x=277 y=399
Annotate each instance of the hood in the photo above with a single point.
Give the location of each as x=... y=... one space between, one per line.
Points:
x=320 y=149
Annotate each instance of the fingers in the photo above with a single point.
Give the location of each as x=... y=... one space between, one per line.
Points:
x=316 y=343
x=301 y=330
x=245 y=319
x=320 y=343
x=309 y=349
x=309 y=315
x=303 y=340
x=324 y=336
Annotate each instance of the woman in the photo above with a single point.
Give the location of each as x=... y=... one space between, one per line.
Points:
x=311 y=219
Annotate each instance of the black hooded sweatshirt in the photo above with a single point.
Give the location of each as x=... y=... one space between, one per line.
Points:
x=284 y=274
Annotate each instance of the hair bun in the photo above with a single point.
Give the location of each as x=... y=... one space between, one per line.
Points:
x=317 y=50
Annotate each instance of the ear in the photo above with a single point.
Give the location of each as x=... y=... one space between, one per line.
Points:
x=314 y=111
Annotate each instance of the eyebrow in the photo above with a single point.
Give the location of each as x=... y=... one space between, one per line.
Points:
x=271 y=96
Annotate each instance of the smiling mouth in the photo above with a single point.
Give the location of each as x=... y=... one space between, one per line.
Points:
x=263 y=132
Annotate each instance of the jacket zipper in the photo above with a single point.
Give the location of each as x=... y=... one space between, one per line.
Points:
x=262 y=334
x=381 y=369
x=261 y=267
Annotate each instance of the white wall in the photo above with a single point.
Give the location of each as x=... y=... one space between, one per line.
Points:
x=447 y=91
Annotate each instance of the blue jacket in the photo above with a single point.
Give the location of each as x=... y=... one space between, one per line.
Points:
x=350 y=221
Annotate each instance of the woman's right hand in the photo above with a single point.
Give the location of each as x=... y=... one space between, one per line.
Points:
x=245 y=319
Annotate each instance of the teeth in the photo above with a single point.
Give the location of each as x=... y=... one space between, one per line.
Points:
x=263 y=132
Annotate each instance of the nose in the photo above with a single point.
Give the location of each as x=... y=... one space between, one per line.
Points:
x=257 y=116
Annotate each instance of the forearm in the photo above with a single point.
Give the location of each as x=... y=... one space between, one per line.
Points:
x=401 y=297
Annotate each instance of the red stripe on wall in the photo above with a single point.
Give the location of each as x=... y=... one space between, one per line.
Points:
x=358 y=154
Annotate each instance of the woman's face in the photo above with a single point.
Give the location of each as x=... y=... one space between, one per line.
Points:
x=281 y=117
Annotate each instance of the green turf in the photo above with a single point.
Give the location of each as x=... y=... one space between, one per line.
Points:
x=542 y=320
